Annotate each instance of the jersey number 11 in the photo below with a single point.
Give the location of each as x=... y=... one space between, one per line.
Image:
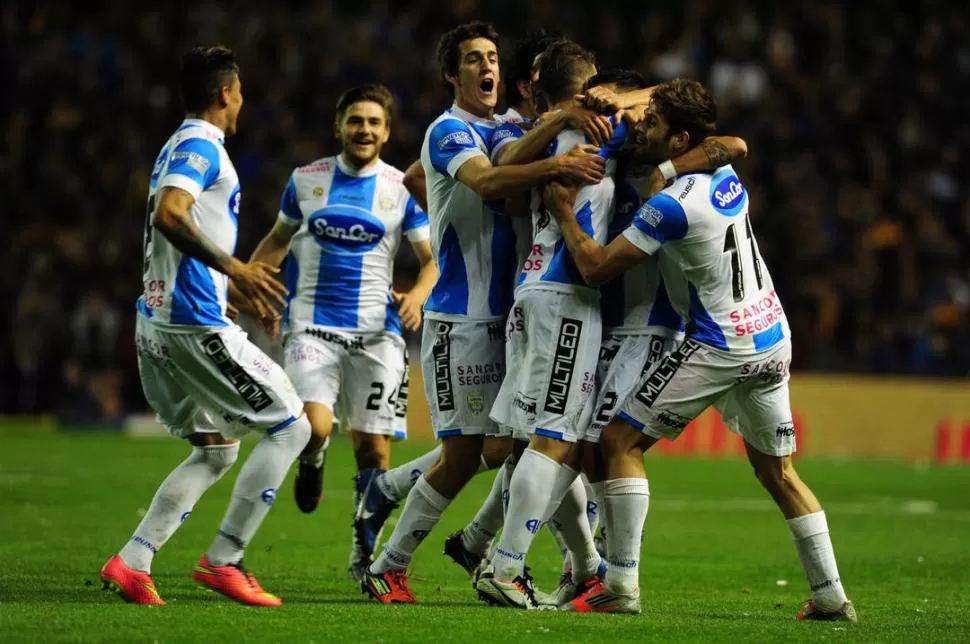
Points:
x=737 y=265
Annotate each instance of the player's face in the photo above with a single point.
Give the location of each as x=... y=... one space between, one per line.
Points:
x=234 y=102
x=363 y=131
x=478 y=76
x=653 y=136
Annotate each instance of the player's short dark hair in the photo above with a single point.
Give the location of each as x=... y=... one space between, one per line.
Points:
x=519 y=67
x=370 y=92
x=204 y=72
x=688 y=107
x=559 y=70
x=626 y=79
x=449 y=46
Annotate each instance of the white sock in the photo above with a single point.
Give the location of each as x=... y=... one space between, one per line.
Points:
x=421 y=512
x=592 y=506
x=317 y=456
x=570 y=516
x=811 y=536
x=174 y=500
x=530 y=489
x=625 y=503
x=477 y=536
x=596 y=492
x=396 y=483
x=564 y=480
x=255 y=490
x=506 y=473
x=556 y=531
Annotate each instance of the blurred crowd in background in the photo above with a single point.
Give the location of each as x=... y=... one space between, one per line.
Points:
x=855 y=116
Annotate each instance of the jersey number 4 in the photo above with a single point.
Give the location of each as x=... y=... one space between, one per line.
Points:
x=737 y=265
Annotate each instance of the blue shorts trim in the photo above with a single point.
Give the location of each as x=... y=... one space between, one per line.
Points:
x=630 y=419
x=286 y=423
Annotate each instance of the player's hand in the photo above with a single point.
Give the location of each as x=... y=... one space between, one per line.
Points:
x=582 y=164
x=655 y=183
x=601 y=99
x=559 y=198
x=409 y=308
x=271 y=326
x=594 y=125
x=257 y=284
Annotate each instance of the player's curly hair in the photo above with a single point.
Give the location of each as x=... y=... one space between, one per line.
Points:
x=370 y=92
x=687 y=106
x=559 y=70
x=448 y=52
x=204 y=72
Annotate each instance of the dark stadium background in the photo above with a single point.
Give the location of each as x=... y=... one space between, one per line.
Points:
x=855 y=116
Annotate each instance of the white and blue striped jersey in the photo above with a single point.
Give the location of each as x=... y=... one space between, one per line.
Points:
x=472 y=244
x=341 y=259
x=549 y=265
x=636 y=302
x=182 y=293
x=700 y=224
x=510 y=130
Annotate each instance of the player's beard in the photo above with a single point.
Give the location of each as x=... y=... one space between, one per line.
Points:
x=359 y=160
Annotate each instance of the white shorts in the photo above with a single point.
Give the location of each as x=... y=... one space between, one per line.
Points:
x=751 y=392
x=463 y=364
x=623 y=362
x=356 y=375
x=552 y=344
x=401 y=404
x=212 y=381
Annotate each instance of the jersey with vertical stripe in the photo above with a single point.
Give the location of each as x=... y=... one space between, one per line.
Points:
x=700 y=224
x=549 y=265
x=511 y=128
x=473 y=245
x=636 y=302
x=180 y=292
x=341 y=259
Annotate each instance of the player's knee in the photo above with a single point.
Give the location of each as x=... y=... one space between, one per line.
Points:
x=220 y=458
x=461 y=456
x=295 y=435
x=618 y=438
x=776 y=473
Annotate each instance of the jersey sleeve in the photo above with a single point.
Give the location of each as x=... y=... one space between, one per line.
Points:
x=415 y=224
x=612 y=147
x=450 y=145
x=290 y=212
x=661 y=219
x=193 y=167
x=503 y=135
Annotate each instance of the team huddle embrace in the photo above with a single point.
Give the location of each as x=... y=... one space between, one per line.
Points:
x=590 y=283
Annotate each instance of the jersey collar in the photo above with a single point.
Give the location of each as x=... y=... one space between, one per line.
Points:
x=205 y=125
x=350 y=170
x=468 y=117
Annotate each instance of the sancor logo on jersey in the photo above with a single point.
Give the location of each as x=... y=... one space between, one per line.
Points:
x=345 y=231
x=729 y=196
x=459 y=138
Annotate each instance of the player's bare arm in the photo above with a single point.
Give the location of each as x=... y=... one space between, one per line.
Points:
x=604 y=99
x=254 y=280
x=596 y=263
x=493 y=182
x=417 y=184
x=273 y=247
x=714 y=152
x=410 y=304
x=534 y=143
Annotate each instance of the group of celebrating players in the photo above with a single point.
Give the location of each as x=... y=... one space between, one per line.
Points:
x=589 y=282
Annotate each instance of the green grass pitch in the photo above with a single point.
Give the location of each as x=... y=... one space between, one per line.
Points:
x=718 y=564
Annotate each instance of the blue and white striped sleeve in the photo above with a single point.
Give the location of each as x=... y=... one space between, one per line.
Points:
x=193 y=167
x=503 y=135
x=415 y=224
x=290 y=212
x=659 y=220
x=450 y=145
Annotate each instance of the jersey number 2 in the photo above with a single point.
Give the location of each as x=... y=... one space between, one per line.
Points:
x=737 y=265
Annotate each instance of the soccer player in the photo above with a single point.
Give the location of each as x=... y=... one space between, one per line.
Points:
x=465 y=547
x=736 y=355
x=207 y=383
x=463 y=343
x=342 y=219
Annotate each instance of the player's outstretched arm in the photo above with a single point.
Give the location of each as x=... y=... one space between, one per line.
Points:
x=596 y=263
x=417 y=184
x=531 y=145
x=493 y=182
x=410 y=304
x=603 y=99
x=714 y=152
x=273 y=247
x=254 y=280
